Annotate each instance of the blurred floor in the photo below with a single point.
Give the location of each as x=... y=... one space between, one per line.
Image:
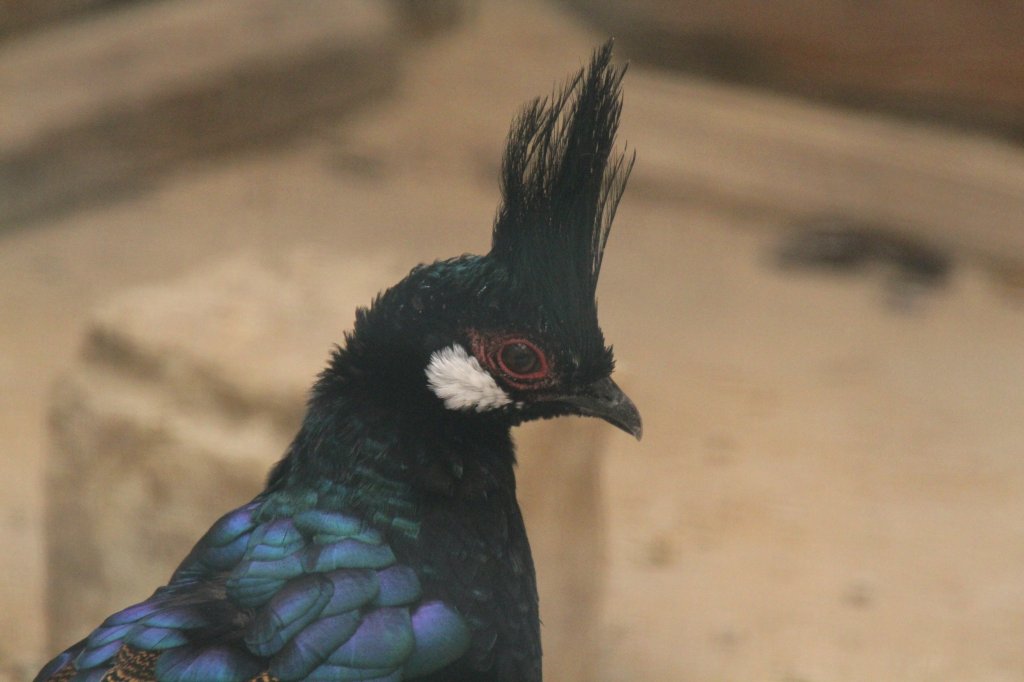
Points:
x=828 y=489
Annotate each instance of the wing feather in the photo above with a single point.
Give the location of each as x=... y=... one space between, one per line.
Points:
x=317 y=595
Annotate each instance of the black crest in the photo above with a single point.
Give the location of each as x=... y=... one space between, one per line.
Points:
x=561 y=185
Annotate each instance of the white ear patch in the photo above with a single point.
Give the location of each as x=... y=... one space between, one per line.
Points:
x=457 y=378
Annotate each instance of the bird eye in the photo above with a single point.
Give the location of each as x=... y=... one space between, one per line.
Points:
x=521 y=359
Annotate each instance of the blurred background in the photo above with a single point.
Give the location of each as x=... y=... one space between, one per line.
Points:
x=815 y=289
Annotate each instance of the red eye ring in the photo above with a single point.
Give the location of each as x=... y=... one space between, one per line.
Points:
x=520 y=359
x=501 y=353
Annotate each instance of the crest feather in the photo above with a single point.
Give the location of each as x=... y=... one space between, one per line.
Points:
x=561 y=186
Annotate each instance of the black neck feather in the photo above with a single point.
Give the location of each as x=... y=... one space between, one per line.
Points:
x=389 y=447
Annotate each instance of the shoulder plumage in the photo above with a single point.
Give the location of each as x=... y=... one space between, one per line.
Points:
x=316 y=595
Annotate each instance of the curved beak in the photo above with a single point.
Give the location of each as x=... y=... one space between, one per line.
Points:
x=604 y=399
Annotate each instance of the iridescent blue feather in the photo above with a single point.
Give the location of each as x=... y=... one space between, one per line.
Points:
x=315 y=596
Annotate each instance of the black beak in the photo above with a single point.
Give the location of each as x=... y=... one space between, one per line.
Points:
x=606 y=400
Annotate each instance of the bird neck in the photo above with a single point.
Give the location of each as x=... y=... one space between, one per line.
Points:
x=388 y=451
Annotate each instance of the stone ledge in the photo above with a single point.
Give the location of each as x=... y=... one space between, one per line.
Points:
x=96 y=108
